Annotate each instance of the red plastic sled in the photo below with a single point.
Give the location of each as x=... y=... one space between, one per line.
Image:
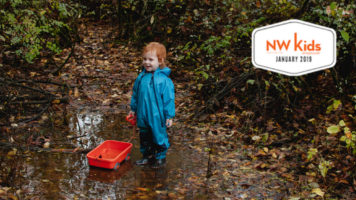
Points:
x=109 y=154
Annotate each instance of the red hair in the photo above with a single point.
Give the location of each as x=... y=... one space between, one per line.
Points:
x=158 y=48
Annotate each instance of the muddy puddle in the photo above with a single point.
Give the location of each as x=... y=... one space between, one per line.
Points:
x=49 y=175
x=196 y=168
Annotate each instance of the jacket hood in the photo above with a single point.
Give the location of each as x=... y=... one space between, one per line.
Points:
x=166 y=71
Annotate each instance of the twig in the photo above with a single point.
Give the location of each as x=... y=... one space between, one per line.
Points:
x=61 y=100
x=24 y=86
x=56 y=72
x=72 y=138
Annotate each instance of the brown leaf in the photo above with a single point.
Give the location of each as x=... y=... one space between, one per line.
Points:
x=204 y=117
x=246 y=164
x=56 y=101
x=207 y=2
x=328 y=10
x=182 y=191
x=76 y=92
x=141 y=189
x=172 y=196
x=348 y=135
x=258 y=4
x=331 y=138
x=189 y=19
x=343 y=181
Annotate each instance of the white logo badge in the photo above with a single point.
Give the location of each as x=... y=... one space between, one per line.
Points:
x=294 y=47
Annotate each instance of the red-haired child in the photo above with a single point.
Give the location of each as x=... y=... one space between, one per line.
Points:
x=153 y=103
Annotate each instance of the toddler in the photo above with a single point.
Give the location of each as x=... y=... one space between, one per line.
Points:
x=153 y=103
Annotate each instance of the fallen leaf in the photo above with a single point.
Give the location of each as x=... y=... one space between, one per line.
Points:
x=115 y=95
x=182 y=191
x=172 y=195
x=318 y=192
x=256 y=137
x=265 y=149
x=344 y=181
x=258 y=4
x=76 y=93
x=244 y=195
x=274 y=155
x=161 y=192
x=46 y=145
x=328 y=10
x=141 y=189
x=348 y=135
x=314 y=185
x=106 y=101
x=56 y=101
x=13 y=152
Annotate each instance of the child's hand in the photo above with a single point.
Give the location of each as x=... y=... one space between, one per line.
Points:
x=132 y=113
x=169 y=122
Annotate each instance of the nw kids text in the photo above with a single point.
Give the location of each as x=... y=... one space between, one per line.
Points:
x=299 y=45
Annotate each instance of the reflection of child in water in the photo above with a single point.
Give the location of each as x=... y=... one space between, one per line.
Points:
x=153 y=103
x=154 y=179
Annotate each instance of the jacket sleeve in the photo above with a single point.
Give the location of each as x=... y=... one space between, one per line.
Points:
x=168 y=99
x=134 y=99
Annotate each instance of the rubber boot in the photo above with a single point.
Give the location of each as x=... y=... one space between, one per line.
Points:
x=147 y=157
x=159 y=163
x=145 y=160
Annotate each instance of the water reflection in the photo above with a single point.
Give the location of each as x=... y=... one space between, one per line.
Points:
x=68 y=176
x=108 y=175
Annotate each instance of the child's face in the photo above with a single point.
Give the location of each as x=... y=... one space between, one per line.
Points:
x=150 y=61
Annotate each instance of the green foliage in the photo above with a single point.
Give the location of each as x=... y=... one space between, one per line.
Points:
x=265 y=137
x=336 y=104
x=333 y=129
x=214 y=43
x=345 y=36
x=29 y=27
x=251 y=81
x=350 y=139
x=324 y=166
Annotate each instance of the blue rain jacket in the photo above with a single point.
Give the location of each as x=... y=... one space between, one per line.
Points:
x=153 y=102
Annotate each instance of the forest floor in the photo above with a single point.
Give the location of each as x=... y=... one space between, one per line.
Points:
x=206 y=160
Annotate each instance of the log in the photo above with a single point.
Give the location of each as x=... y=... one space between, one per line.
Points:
x=31 y=148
